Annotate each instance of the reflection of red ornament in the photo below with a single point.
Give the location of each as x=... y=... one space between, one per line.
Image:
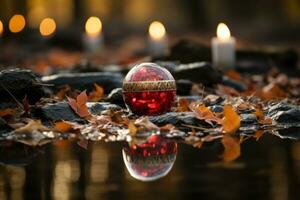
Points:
x=149 y=89
x=151 y=160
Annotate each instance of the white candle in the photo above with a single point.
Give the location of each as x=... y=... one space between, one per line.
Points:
x=157 y=40
x=223 y=48
x=93 y=38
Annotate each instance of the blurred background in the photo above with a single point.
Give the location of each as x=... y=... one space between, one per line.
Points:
x=275 y=21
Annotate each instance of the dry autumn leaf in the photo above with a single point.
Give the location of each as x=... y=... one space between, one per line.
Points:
x=232 y=148
x=261 y=117
x=97 y=94
x=231 y=121
x=258 y=134
x=63 y=126
x=79 y=105
x=204 y=113
x=132 y=129
x=7 y=112
x=183 y=105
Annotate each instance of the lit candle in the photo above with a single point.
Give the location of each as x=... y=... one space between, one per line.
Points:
x=223 y=48
x=92 y=39
x=1 y=29
x=158 y=40
x=16 y=23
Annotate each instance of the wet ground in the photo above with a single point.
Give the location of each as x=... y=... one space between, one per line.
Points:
x=267 y=169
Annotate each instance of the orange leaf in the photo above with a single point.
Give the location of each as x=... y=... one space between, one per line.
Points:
x=183 y=105
x=97 y=94
x=272 y=91
x=232 y=148
x=231 y=121
x=261 y=117
x=7 y=112
x=233 y=75
x=63 y=126
x=258 y=134
x=132 y=129
x=79 y=105
x=204 y=113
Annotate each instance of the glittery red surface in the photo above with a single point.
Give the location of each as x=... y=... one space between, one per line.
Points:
x=156 y=145
x=149 y=102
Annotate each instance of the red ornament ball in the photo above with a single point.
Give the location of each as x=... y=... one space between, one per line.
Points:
x=149 y=89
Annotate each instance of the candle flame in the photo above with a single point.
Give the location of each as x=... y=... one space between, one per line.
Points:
x=223 y=31
x=16 y=23
x=47 y=26
x=157 y=30
x=93 y=26
x=1 y=27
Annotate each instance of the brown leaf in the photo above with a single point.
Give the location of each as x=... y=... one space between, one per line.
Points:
x=225 y=90
x=83 y=143
x=183 y=105
x=231 y=120
x=258 y=134
x=7 y=112
x=261 y=117
x=232 y=149
x=233 y=75
x=61 y=94
x=97 y=94
x=204 y=113
x=79 y=105
x=132 y=129
x=273 y=91
x=63 y=126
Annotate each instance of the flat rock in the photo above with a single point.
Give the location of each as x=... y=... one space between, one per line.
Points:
x=20 y=83
x=62 y=111
x=82 y=81
x=237 y=85
x=284 y=113
x=198 y=72
x=116 y=97
x=177 y=118
x=184 y=86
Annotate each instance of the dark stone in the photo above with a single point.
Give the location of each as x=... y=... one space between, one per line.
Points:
x=62 y=111
x=187 y=51
x=20 y=83
x=199 y=72
x=184 y=87
x=248 y=119
x=97 y=107
x=177 y=119
x=284 y=113
x=82 y=81
x=4 y=128
x=290 y=116
x=116 y=97
x=289 y=133
x=239 y=86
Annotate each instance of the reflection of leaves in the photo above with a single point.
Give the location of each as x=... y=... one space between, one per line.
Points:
x=79 y=105
x=204 y=113
x=34 y=133
x=132 y=129
x=231 y=120
x=232 y=149
x=97 y=94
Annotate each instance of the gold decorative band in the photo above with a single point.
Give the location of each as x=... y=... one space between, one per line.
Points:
x=149 y=86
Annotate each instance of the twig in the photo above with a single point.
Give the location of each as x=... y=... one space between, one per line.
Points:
x=12 y=96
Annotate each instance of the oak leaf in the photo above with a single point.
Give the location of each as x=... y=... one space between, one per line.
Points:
x=79 y=105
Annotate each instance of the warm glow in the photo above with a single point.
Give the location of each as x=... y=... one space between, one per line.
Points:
x=93 y=26
x=1 y=27
x=47 y=26
x=16 y=23
x=223 y=31
x=157 y=30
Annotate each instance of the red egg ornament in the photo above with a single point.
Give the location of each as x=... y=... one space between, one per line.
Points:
x=149 y=89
